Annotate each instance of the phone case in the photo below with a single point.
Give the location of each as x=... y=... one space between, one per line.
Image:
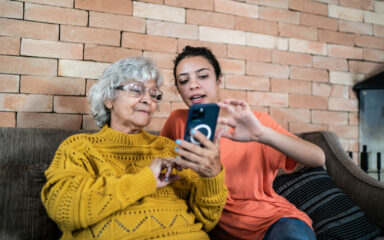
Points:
x=202 y=117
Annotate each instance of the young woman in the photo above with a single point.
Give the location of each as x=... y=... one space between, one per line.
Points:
x=252 y=152
x=119 y=183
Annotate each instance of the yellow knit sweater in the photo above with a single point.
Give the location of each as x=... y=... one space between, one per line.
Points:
x=99 y=186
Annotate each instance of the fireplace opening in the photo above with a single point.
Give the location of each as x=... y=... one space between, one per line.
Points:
x=370 y=94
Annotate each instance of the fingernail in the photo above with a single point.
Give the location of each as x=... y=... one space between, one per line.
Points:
x=178 y=141
x=193 y=131
x=176 y=149
x=166 y=179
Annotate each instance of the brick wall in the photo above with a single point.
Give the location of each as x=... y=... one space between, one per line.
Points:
x=296 y=59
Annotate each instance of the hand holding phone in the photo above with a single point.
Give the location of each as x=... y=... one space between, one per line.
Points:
x=203 y=118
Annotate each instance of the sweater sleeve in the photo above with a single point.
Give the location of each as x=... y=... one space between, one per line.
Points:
x=76 y=195
x=208 y=197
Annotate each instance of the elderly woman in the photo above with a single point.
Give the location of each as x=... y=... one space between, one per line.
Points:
x=120 y=183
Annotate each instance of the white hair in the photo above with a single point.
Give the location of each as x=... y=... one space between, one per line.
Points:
x=139 y=69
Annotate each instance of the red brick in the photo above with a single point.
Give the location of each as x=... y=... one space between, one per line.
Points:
x=352 y=94
x=26 y=29
x=162 y=60
x=10 y=9
x=340 y=91
x=51 y=49
x=228 y=93
x=336 y=37
x=112 y=6
x=274 y=3
x=296 y=31
x=81 y=69
x=249 y=53
x=51 y=14
x=291 y=58
x=170 y=29
x=356 y=27
x=90 y=35
x=149 y=43
x=327 y=117
x=89 y=84
x=168 y=78
x=373 y=55
x=64 y=104
x=342 y=104
x=267 y=99
x=27 y=65
x=318 y=21
x=246 y=82
x=163 y=109
x=48 y=120
x=89 y=123
x=59 y=3
x=259 y=108
x=345 y=52
x=170 y=94
x=279 y=15
x=267 y=70
x=378 y=30
x=178 y=105
x=307 y=101
x=309 y=74
x=371 y=42
x=353 y=118
x=117 y=22
x=153 y=1
x=321 y=89
x=52 y=85
x=309 y=6
x=219 y=49
x=232 y=66
x=9 y=83
x=306 y=127
x=330 y=63
x=25 y=103
x=291 y=115
x=290 y=86
x=212 y=19
x=7 y=119
x=237 y=8
x=360 y=4
x=345 y=131
x=297 y=45
x=365 y=67
x=9 y=45
x=255 y=25
x=100 y=53
x=203 y=5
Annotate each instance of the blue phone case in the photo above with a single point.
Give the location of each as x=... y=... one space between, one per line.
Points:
x=202 y=117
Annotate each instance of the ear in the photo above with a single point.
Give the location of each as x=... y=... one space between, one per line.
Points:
x=108 y=104
x=219 y=80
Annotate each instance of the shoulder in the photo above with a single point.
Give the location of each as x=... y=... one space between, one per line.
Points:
x=80 y=139
x=179 y=113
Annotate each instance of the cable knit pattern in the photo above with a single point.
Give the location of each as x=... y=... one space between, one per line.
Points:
x=99 y=186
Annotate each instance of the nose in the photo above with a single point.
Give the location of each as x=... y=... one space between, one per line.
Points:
x=194 y=83
x=146 y=98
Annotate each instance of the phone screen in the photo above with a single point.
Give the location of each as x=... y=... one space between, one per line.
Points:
x=202 y=117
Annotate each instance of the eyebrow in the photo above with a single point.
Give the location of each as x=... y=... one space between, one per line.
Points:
x=197 y=71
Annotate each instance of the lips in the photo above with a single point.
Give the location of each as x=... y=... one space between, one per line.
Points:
x=197 y=98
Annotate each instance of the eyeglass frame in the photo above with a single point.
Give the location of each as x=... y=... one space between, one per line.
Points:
x=157 y=98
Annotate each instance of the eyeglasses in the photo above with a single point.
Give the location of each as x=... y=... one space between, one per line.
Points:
x=137 y=90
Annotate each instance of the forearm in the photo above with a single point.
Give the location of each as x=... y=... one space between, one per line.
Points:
x=298 y=149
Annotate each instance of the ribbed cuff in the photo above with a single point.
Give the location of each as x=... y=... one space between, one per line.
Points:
x=212 y=186
x=133 y=187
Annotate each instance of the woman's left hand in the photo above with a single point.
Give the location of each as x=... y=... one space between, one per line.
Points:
x=205 y=159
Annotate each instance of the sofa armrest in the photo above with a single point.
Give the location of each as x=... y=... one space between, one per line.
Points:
x=365 y=191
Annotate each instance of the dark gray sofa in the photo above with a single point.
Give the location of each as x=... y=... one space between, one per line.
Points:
x=26 y=153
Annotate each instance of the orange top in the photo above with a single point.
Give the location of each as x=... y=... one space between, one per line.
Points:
x=252 y=205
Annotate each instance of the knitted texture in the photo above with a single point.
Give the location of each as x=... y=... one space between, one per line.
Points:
x=99 y=186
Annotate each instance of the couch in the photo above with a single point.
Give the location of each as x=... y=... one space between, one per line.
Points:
x=26 y=153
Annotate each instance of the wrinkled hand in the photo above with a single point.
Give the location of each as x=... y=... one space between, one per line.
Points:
x=205 y=160
x=163 y=179
x=246 y=127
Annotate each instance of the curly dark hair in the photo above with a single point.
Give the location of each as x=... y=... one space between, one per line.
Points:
x=189 y=51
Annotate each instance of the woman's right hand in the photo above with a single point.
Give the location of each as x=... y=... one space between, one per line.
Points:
x=163 y=179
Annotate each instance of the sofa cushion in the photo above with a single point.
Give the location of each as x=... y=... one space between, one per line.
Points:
x=22 y=214
x=333 y=214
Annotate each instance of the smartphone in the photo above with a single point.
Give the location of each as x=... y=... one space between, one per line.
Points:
x=202 y=117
